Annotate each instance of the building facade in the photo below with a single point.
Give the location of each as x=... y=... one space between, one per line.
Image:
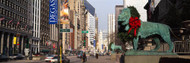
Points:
x=102 y=45
x=111 y=28
x=44 y=24
x=36 y=6
x=15 y=27
x=91 y=29
x=91 y=25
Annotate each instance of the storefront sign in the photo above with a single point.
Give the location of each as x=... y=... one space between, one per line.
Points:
x=14 y=40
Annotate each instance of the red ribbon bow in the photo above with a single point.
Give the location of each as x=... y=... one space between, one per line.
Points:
x=134 y=24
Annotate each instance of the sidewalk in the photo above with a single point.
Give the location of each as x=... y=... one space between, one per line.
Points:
x=101 y=59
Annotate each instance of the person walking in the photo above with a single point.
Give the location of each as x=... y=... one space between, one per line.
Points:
x=122 y=58
x=96 y=55
x=84 y=58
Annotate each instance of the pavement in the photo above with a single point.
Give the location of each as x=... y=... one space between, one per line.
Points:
x=92 y=59
x=73 y=59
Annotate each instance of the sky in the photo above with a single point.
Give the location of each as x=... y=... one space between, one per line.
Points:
x=105 y=7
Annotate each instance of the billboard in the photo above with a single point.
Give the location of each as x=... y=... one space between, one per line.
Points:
x=53 y=11
x=64 y=12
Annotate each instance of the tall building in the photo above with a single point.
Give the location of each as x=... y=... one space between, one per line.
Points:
x=111 y=28
x=53 y=37
x=91 y=20
x=44 y=24
x=91 y=29
x=71 y=16
x=15 y=26
x=118 y=10
x=139 y=5
x=96 y=29
x=74 y=16
x=102 y=45
x=81 y=15
x=36 y=6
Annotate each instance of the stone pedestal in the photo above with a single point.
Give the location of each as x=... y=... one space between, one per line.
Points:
x=155 y=59
x=113 y=56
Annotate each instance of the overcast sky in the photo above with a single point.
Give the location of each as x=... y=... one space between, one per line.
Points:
x=105 y=7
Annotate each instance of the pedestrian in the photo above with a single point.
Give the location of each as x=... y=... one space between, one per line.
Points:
x=84 y=58
x=117 y=57
x=122 y=58
x=96 y=55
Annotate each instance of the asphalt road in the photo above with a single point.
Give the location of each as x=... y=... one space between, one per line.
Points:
x=73 y=59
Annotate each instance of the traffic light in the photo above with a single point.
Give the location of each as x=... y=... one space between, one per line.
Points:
x=84 y=43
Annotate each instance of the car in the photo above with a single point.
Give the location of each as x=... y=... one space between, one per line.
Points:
x=16 y=56
x=49 y=57
x=4 y=58
x=64 y=59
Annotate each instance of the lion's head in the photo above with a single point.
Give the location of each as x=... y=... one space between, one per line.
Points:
x=125 y=15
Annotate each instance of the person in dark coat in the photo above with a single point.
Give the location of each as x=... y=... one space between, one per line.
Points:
x=96 y=55
x=84 y=58
x=122 y=58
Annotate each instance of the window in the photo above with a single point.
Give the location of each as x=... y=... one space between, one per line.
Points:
x=9 y=14
x=1 y=10
x=12 y=14
x=12 y=5
x=4 y=1
x=19 y=9
x=1 y=1
x=23 y=19
x=7 y=3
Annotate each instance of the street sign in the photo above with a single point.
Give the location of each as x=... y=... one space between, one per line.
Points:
x=66 y=30
x=84 y=31
x=53 y=11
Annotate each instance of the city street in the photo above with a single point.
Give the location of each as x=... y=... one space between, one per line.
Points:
x=73 y=59
x=91 y=59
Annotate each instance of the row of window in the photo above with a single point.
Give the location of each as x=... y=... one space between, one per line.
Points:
x=12 y=15
x=45 y=15
x=13 y=6
x=6 y=24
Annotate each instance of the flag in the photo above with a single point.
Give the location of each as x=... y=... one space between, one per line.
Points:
x=25 y=27
x=54 y=45
x=2 y=19
x=17 y=23
x=10 y=21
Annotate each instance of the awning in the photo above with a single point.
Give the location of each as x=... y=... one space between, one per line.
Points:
x=45 y=50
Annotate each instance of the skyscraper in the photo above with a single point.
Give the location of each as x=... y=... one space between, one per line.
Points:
x=111 y=28
x=36 y=5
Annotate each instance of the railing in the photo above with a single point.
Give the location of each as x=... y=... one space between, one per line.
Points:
x=182 y=47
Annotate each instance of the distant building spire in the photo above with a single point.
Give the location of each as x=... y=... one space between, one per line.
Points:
x=124 y=3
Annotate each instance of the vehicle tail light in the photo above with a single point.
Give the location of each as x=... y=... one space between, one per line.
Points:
x=49 y=61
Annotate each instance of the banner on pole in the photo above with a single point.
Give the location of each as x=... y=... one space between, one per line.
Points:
x=53 y=11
